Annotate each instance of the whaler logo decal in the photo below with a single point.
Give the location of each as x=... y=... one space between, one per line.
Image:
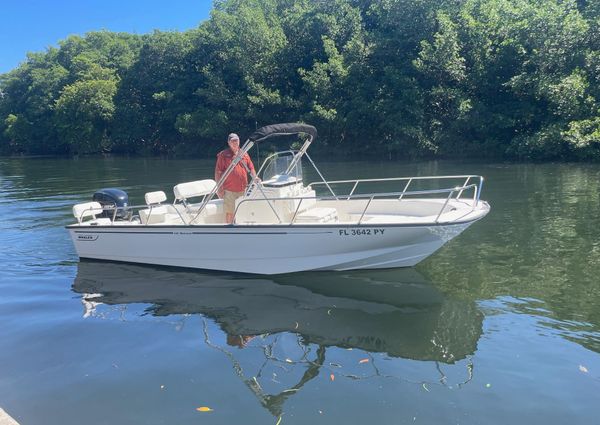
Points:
x=87 y=237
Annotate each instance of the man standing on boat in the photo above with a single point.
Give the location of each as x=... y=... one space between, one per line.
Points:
x=235 y=184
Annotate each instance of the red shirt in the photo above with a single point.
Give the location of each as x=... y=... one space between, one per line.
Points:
x=238 y=179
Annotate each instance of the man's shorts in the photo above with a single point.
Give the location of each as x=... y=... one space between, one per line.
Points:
x=229 y=201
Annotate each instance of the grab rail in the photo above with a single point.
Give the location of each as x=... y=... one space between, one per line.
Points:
x=408 y=180
x=369 y=198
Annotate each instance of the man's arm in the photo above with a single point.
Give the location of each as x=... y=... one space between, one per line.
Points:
x=251 y=167
x=218 y=174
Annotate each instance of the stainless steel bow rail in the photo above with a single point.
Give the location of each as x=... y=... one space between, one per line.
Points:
x=455 y=192
x=408 y=181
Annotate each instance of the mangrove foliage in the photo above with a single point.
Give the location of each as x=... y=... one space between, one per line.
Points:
x=388 y=78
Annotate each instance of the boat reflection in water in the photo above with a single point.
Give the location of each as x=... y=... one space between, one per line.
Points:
x=396 y=313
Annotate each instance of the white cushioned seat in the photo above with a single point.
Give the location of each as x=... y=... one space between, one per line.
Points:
x=193 y=189
x=154 y=215
x=87 y=209
x=210 y=208
x=153 y=198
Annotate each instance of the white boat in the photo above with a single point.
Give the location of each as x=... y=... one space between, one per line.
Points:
x=281 y=224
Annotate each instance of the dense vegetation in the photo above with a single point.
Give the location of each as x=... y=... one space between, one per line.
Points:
x=505 y=78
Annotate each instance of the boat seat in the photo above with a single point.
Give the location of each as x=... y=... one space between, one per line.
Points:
x=211 y=208
x=153 y=215
x=155 y=198
x=87 y=209
x=158 y=213
x=184 y=191
x=317 y=215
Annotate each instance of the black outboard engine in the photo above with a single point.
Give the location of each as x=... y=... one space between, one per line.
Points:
x=111 y=198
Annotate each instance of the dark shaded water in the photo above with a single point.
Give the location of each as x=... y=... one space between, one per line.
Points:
x=500 y=326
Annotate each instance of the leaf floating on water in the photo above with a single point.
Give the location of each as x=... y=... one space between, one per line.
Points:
x=289 y=361
x=488 y=385
x=329 y=312
x=425 y=387
x=363 y=361
x=204 y=409
x=583 y=369
x=332 y=377
x=335 y=364
x=290 y=390
x=278 y=421
x=320 y=412
x=162 y=387
x=296 y=325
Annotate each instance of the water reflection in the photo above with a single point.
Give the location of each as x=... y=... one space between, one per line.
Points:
x=277 y=330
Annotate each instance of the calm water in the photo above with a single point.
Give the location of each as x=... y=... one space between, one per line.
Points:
x=502 y=326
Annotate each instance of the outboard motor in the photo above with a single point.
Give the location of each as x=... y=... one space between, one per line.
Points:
x=111 y=198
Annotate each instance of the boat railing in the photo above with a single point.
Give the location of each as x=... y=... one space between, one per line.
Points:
x=409 y=180
x=453 y=192
x=456 y=192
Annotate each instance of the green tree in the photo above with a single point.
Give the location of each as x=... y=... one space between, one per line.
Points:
x=507 y=78
x=152 y=93
x=444 y=77
x=234 y=55
x=84 y=112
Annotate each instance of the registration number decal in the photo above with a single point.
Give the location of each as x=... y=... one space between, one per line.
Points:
x=361 y=232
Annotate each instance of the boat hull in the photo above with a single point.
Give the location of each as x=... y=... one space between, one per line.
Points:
x=271 y=249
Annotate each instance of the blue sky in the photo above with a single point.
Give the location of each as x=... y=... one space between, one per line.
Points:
x=34 y=25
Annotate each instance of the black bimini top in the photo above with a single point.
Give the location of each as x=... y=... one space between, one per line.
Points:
x=282 y=129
